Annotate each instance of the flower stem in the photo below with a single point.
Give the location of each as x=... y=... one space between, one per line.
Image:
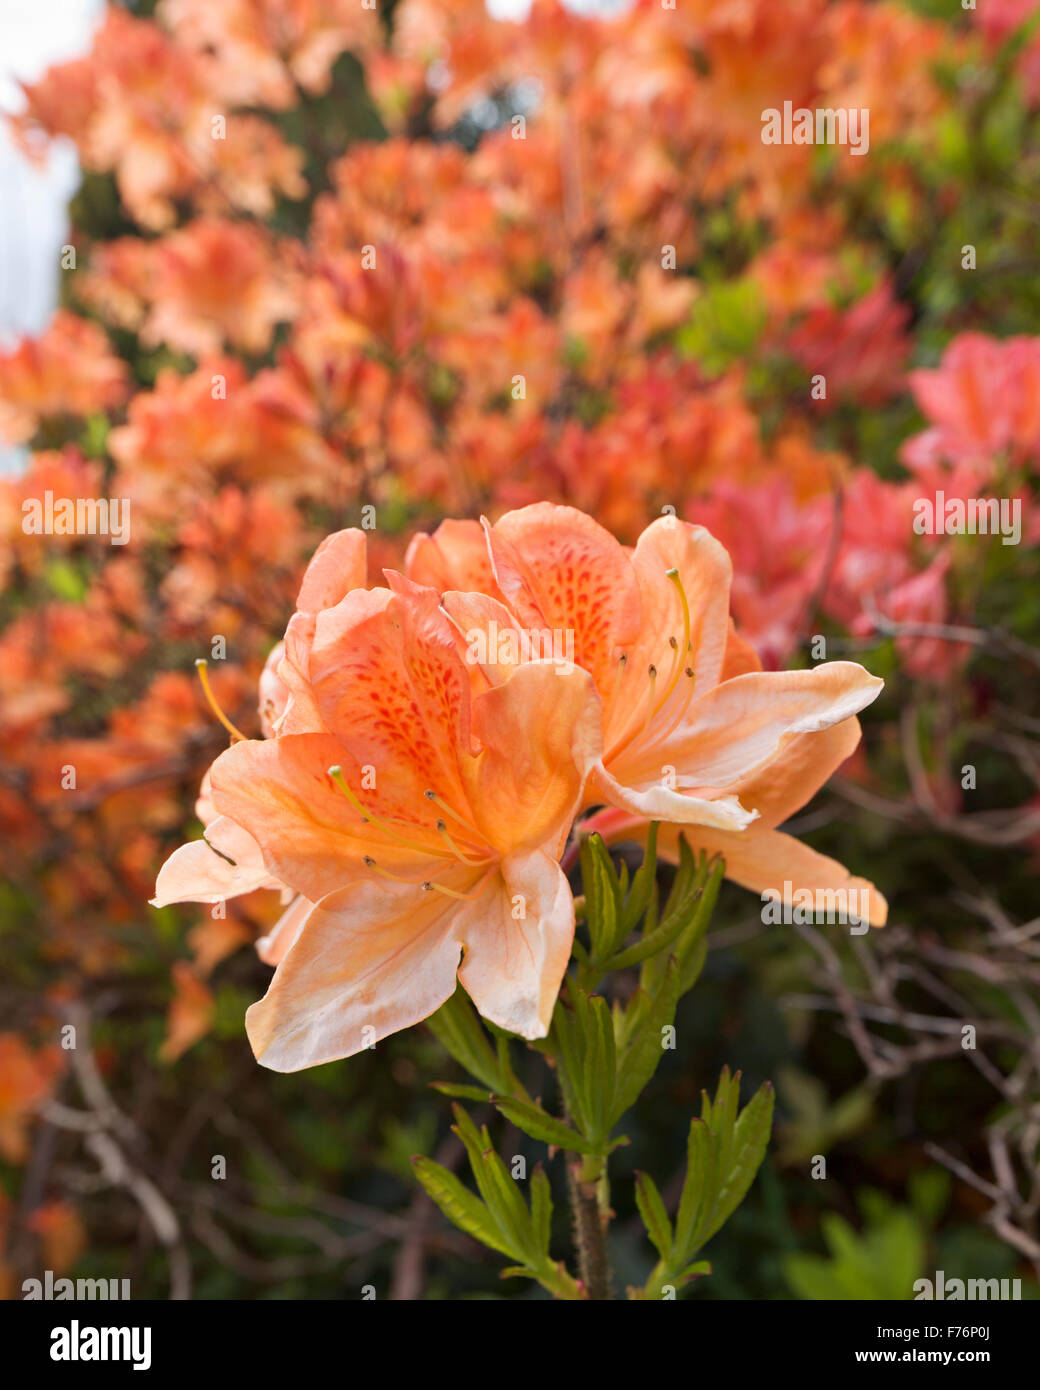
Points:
x=590 y=1213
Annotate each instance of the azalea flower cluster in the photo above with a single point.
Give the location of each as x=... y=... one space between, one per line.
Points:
x=417 y=806
x=335 y=267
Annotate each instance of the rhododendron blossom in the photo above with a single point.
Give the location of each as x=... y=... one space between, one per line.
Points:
x=422 y=822
x=414 y=803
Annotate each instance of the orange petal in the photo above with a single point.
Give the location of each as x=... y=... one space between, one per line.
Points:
x=540 y=733
x=518 y=937
x=454 y=557
x=272 y=947
x=196 y=873
x=798 y=773
x=338 y=565
x=655 y=800
x=390 y=684
x=558 y=569
x=371 y=959
x=744 y=724
x=313 y=839
x=705 y=572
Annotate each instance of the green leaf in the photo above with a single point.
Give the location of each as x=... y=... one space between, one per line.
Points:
x=448 y=1088
x=541 y=1208
x=723 y=1153
x=458 y=1029
x=602 y=895
x=655 y=1217
x=539 y=1124
x=640 y=1057
x=459 y=1204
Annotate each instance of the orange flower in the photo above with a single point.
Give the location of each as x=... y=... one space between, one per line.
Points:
x=68 y=370
x=688 y=716
x=418 y=821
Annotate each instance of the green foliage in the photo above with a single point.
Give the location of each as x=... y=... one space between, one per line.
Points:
x=882 y=1262
x=723 y=1153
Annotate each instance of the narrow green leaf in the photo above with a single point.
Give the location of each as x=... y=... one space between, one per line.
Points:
x=750 y=1142
x=458 y=1029
x=541 y=1208
x=459 y=1204
x=640 y=1058
x=449 y=1088
x=539 y=1124
x=655 y=1217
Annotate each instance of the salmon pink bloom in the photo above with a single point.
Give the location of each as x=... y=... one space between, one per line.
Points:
x=688 y=717
x=419 y=820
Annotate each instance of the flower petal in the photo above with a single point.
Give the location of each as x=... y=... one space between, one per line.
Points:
x=559 y=569
x=743 y=725
x=312 y=838
x=272 y=947
x=657 y=801
x=513 y=965
x=196 y=873
x=454 y=557
x=338 y=565
x=369 y=957
x=540 y=736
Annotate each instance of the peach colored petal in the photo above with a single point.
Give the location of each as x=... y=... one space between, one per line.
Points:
x=559 y=569
x=740 y=657
x=743 y=725
x=372 y=956
x=799 y=772
x=390 y=684
x=313 y=839
x=454 y=557
x=656 y=800
x=197 y=873
x=272 y=947
x=272 y=692
x=514 y=964
x=706 y=572
x=540 y=734
x=337 y=566
x=483 y=626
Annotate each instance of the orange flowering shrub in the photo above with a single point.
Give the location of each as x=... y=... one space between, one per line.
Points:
x=737 y=414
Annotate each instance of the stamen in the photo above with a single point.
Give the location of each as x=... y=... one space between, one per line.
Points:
x=468 y=825
x=682 y=705
x=442 y=830
x=652 y=709
x=336 y=774
x=621 y=667
x=211 y=700
x=684 y=647
x=370 y=863
x=454 y=893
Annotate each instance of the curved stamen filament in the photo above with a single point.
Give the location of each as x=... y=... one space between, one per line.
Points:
x=443 y=805
x=442 y=830
x=622 y=666
x=652 y=710
x=431 y=887
x=211 y=700
x=682 y=705
x=339 y=781
x=370 y=863
x=684 y=646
